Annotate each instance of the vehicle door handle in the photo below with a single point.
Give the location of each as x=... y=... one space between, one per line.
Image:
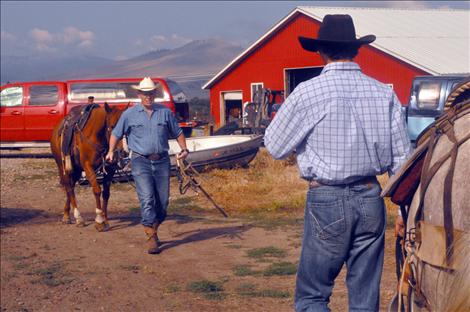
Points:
x=53 y=111
x=16 y=113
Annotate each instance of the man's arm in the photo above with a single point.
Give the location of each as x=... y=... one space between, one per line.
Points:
x=401 y=149
x=116 y=135
x=288 y=128
x=401 y=145
x=184 y=150
x=112 y=146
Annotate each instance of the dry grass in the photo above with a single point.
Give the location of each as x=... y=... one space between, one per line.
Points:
x=267 y=188
x=267 y=185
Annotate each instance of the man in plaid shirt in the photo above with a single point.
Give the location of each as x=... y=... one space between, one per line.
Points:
x=345 y=128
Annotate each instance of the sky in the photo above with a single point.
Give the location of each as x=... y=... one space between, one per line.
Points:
x=124 y=29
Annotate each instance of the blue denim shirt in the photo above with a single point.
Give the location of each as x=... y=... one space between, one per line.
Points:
x=147 y=134
x=343 y=125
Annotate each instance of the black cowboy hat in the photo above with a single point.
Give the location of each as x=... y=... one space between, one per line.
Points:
x=335 y=29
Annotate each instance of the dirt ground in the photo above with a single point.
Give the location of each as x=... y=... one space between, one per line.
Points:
x=207 y=264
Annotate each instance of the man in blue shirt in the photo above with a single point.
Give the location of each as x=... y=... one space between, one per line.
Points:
x=148 y=127
x=345 y=128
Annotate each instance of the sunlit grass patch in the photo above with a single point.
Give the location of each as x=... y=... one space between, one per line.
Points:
x=211 y=290
x=263 y=252
x=244 y=270
x=134 y=210
x=52 y=275
x=267 y=185
x=172 y=288
x=246 y=289
x=186 y=203
x=281 y=268
x=272 y=293
x=250 y=290
x=233 y=246
x=132 y=268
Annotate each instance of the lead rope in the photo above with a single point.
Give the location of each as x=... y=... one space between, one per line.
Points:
x=186 y=180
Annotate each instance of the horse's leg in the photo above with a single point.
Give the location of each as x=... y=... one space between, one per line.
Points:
x=65 y=182
x=66 y=217
x=108 y=177
x=73 y=202
x=100 y=223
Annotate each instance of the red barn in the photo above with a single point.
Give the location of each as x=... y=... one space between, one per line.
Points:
x=409 y=43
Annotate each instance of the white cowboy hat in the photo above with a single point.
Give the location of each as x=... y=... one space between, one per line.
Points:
x=146 y=85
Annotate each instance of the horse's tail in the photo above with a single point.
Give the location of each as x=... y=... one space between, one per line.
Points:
x=66 y=158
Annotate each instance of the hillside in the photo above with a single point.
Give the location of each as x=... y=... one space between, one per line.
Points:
x=190 y=65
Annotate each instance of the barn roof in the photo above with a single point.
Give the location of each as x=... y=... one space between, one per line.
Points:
x=434 y=40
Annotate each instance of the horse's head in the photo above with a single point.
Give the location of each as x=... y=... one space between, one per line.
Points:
x=112 y=117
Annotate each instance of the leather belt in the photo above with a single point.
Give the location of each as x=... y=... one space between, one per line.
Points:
x=153 y=157
x=365 y=180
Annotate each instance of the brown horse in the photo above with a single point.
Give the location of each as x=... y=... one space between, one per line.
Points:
x=88 y=147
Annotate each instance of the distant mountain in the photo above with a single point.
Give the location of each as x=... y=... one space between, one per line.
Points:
x=30 y=68
x=190 y=65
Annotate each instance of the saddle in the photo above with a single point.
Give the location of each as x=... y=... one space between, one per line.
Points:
x=402 y=186
x=435 y=243
x=75 y=119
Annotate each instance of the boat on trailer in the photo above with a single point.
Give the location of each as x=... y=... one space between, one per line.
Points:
x=222 y=151
x=205 y=153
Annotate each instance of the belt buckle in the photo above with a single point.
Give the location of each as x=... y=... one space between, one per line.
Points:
x=154 y=157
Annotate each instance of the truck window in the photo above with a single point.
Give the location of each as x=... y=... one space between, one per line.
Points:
x=43 y=95
x=428 y=95
x=12 y=96
x=111 y=92
x=176 y=91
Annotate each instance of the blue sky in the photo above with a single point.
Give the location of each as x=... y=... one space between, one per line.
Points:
x=122 y=29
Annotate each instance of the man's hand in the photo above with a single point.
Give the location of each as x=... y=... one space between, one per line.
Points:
x=183 y=154
x=109 y=157
x=399 y=227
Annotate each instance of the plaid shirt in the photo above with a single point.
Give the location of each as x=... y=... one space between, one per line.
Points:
x=343 y=126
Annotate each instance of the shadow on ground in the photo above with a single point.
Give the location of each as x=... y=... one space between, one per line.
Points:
x=205 y=234
x=15 y=216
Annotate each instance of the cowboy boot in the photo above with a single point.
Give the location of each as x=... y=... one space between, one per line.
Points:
x=152 y=242
x=155 y=228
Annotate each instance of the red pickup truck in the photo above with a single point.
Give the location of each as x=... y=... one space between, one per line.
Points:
x=30 y=110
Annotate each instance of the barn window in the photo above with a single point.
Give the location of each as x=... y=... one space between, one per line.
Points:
x=256 y=91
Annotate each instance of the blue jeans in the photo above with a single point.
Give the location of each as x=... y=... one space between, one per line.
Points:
x=343 y=224
x=152 y=181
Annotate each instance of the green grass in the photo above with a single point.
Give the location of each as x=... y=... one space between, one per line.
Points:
x=280 y=268
x=243 y=270
x=272 y=293
x=16 y=258
x=186 y=203
x=172 y=288
x=263 y=252
x=132 y=268
x=249 y=290
x=51 y=275
x=134 y=210
x=234 y=246
x=211 y=290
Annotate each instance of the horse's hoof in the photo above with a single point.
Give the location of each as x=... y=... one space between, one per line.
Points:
x=102 y=227
x=80 y=223
x=66 y=221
